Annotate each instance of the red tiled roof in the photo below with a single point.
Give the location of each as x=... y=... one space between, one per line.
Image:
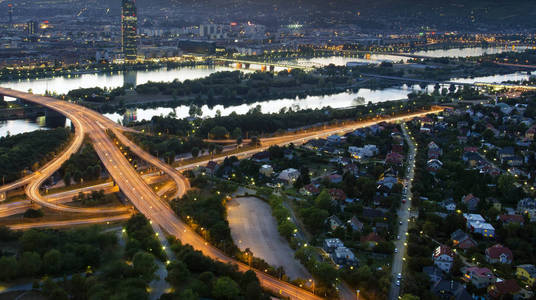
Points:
x=512 y=218
x=394 y=157
x=311 y=188
x=443 y=249
x=468 y=198
x=337 y=194
x=467 y=244
x=508 y=286
x=495 y=251
x=371 y=237
x=470 y=149
x=480 y=272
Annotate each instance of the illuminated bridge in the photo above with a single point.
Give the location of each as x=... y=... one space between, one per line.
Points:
x=265 y=65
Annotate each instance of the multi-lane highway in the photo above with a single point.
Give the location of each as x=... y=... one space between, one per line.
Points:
x=142 y=195
x=132 y=185
x=70 y=223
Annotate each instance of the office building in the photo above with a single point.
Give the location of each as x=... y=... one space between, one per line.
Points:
x=10 y=12
x=32 y=27
x=129 y=27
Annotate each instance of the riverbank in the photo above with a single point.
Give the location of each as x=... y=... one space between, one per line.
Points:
x=8 y=74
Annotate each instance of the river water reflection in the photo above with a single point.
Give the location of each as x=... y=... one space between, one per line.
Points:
x=340 y=100
x=61 y=85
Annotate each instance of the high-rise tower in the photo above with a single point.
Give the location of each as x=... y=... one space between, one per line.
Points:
x=10 y=12
x=129 y=27
x=32 y=27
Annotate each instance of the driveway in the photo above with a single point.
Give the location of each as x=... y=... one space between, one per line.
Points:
x=253 y=227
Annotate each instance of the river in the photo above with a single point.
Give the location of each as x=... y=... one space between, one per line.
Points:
x=340 y=100
x=61 y=85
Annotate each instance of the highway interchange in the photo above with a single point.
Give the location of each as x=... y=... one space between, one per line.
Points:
x=140 y=194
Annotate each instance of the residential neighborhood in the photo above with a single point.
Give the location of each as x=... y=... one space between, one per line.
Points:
x=474 y=187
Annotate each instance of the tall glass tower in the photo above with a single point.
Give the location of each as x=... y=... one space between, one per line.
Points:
x=129 y=27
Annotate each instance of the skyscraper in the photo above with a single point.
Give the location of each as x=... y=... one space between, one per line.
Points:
x=129 y=26
x=10 y=12
x=32 y=27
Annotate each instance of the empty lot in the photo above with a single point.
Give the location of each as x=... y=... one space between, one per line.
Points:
x=253 y=227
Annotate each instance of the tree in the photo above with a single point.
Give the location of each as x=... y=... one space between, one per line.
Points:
x=409 y=297
x=248 y=277
x=286 y=229
x=33 y=213
x=237 y=133
x=195 y=111
x=144 y=265
x=211 y=148
x=225 y=288
x=195 y=151
x=453 y=222
x=8 y=268
x=67 y=178
x=314 y=218
x=254 y=141
x=429 y=228
x=77 y=176
x=219 y=132
x=30 y=263
x=78 y=286
x=325 y=273
x=188 y=294
x=253 y=291
x=505 y=183
x=177 y=273
x=364 y=273
x=276 y=152
x=323 y=200
x=52 y=261
x=488 y=134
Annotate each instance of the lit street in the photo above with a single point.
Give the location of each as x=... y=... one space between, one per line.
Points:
x=403 y=218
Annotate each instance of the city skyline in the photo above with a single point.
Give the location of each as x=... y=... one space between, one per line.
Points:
x=256 y=150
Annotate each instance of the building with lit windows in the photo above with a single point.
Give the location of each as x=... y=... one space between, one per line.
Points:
x=10 y=13
x=32 y=27
x=129 y=28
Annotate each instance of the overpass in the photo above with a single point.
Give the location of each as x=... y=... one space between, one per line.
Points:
x=133 y=186
x=144 y=198
x=365 y=53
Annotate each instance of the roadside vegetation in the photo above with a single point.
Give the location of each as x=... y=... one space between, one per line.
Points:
x=24 y=153
x=85 y=263
x=195 y=276
x=85 y=165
